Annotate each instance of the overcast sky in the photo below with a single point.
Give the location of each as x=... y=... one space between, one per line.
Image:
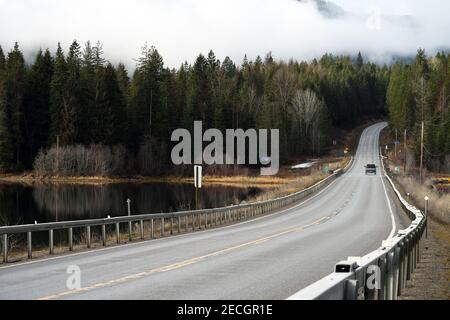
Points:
x=180 y=29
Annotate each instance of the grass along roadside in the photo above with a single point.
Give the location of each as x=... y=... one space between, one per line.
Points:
x=207 y=180
x=431 y=280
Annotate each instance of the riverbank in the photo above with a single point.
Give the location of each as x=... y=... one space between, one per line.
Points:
x=29 y=178
x=285 y=176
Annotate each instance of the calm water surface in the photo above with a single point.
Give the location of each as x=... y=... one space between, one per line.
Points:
x=21 y=204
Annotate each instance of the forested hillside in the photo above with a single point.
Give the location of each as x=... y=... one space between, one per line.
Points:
x=109 y=121
x=420 y=92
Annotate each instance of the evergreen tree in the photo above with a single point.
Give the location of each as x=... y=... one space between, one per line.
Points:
x=37 y=120
x=146 y=96
x=73 y=120
x=199 y=92
x=111 y=110
x=359 y=61
x=58 y=99
x=15 y=94
x=6 y=150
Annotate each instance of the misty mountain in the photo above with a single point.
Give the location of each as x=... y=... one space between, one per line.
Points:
x=328 y=9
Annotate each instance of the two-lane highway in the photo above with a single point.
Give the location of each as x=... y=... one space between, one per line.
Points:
x=271 y=257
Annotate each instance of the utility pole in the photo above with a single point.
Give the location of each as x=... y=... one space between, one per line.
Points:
x=57 y=173
x=404 y=147
x=395 y=144
x=421 y=153
x=426 y=216
x=57 y=155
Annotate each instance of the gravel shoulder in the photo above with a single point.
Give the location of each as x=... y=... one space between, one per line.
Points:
x=431 y=280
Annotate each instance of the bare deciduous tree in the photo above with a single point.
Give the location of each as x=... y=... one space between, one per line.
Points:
x=306 y=107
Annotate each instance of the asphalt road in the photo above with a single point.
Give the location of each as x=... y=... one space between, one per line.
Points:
x=271 y=257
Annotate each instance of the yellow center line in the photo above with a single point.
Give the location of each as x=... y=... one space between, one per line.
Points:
x=178 y=265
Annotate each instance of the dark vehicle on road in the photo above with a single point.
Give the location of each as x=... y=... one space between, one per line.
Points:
x=371 y=169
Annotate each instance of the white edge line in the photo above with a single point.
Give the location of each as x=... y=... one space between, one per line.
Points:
x=394 y=225
x=292 y=297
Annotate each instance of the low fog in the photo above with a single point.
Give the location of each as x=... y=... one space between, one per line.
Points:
x=181 y=29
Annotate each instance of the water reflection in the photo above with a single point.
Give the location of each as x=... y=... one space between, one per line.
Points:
x=50 y=202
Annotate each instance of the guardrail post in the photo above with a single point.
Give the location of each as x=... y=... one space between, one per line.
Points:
x=390 y=276
x=416 y=248
x=397 y=257
x=5 y=248
x=88 y=236
x=104 y=235
x=29 y=245
x=152 y=229
x=413 y=252
x=117 y=233
x=70 y=239
x=409 y=269
x=405 y=263
x=162 y=227
x=186 y=223
x=50 y=241
x=351 y=289
x=130 y=231
x=369 y=293
x=422 y=242
x=141 y=225
x=401 y=267
x=382 y=291
x=179 y=225
x=171 y=225
x=426 y=216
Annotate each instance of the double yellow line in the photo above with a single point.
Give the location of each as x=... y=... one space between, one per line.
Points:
x=181 y=264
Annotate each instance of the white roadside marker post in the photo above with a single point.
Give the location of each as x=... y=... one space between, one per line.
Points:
x=426 y=216
x=197 y=182
x=130 y=235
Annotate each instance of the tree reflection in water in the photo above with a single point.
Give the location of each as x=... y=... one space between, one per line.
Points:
x=52 y=202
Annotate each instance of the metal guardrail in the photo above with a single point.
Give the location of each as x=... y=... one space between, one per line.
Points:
x=178 y=222
x=395 y=261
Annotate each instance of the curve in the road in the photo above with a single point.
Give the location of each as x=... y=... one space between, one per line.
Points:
x=270 y=257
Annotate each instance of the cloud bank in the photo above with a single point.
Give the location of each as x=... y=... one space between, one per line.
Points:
x=181 y=29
